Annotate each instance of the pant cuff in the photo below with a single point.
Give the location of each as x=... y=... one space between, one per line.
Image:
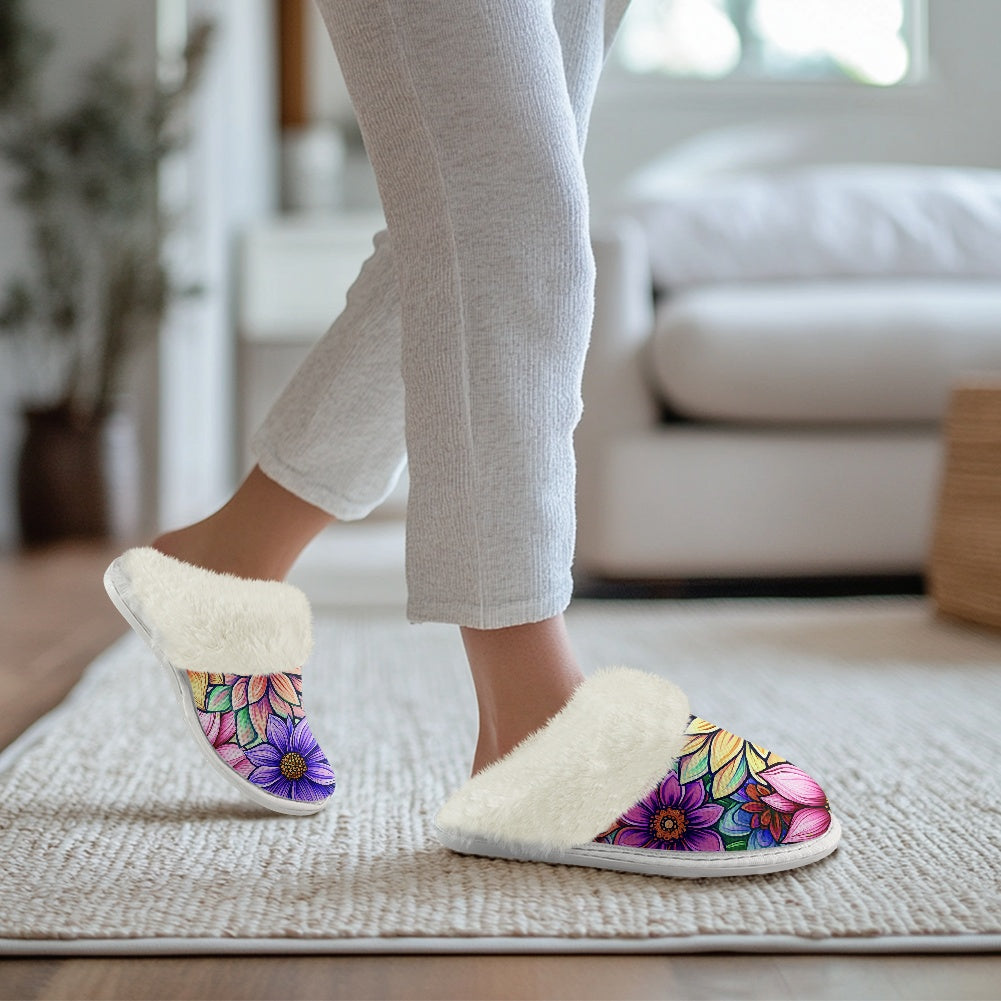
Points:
x=341 y=507
x=476 y=617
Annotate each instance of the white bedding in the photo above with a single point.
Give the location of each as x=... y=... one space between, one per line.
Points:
x=849 y=220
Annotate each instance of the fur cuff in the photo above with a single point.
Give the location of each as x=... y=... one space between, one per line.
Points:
x=213 y=622
x=568 y=782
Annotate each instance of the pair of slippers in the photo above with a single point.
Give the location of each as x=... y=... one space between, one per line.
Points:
x=624 y=777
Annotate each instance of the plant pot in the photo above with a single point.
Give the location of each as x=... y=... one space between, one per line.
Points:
x=61 y=478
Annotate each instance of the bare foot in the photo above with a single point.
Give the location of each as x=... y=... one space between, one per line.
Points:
x=523 y=676
x=204 y=545
x=258 y=533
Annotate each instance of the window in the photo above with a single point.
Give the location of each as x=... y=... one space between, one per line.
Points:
x=872 y=42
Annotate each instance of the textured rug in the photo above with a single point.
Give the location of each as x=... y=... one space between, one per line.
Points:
x=113 y=839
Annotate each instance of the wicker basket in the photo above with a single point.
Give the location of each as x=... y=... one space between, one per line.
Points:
x=964 y=574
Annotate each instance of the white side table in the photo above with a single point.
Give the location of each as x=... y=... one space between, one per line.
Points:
x=294 y=274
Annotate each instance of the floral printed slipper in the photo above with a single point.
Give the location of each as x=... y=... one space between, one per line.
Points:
x=234 y=650
x=590 y=789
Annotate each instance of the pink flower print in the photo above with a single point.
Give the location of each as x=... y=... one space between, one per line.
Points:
x=220 y=729
x=797 y=794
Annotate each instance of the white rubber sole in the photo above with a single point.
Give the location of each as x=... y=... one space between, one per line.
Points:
x=654 y=861
x=115 y=578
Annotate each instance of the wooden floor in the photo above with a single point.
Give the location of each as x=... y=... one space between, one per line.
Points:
x=55 y=617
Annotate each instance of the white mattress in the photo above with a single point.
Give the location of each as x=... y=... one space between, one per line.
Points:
x=824 y=351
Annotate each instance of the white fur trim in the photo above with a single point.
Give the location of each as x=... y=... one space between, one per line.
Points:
x=208 y=621
x=565 y=784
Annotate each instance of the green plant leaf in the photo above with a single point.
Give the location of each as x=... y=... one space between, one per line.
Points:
x=18 y=305
x=86 y=175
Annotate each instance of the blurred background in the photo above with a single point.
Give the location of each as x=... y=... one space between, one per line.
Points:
x=272 y=204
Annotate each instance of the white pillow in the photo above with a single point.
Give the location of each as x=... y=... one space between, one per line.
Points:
x=851 y=220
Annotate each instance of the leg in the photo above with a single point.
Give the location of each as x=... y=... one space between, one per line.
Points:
x=332 y=445
x=334 y=440
x=318 y=443
x=259 y=532
x=469 y=124
x=487 y=212
x=524 y=674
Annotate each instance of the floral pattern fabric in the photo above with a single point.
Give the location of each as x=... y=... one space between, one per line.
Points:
x=724 y=794
x=257 y=726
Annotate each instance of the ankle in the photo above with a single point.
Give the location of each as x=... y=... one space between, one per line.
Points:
x=523 y=676
x=488 y=747
x=207 y=544
x=258 y=533
x=522 y=721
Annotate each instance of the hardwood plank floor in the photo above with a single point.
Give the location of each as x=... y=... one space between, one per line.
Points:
x=555 y=978
x=55 y=617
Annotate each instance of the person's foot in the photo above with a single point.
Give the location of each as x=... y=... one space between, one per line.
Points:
x=234 y=646
x=523 y=676
x=626 y=778
x=257 y=534
x=207 y=545
x=233 y=649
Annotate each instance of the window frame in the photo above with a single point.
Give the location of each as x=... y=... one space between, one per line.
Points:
x=623 y=83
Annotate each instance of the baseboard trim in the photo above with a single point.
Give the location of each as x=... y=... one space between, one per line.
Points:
x=856 y=585
x=786 y=944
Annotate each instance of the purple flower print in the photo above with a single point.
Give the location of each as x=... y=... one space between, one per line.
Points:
x=220 y=729
x=291 y=764
x=674 y=817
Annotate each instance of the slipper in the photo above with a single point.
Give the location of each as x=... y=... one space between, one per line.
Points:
x=625 y=778
x=234 y=650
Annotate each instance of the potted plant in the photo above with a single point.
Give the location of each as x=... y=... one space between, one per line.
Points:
x=86 y=176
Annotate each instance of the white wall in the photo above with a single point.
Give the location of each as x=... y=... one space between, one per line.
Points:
x=230 y=179
x=227 y=178
x=950 y=118
x=182 y=391
x=83 y=29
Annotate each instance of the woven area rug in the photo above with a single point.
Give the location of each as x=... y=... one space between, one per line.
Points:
x=114 y=840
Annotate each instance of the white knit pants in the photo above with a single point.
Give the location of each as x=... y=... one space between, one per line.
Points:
x=462 y=343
